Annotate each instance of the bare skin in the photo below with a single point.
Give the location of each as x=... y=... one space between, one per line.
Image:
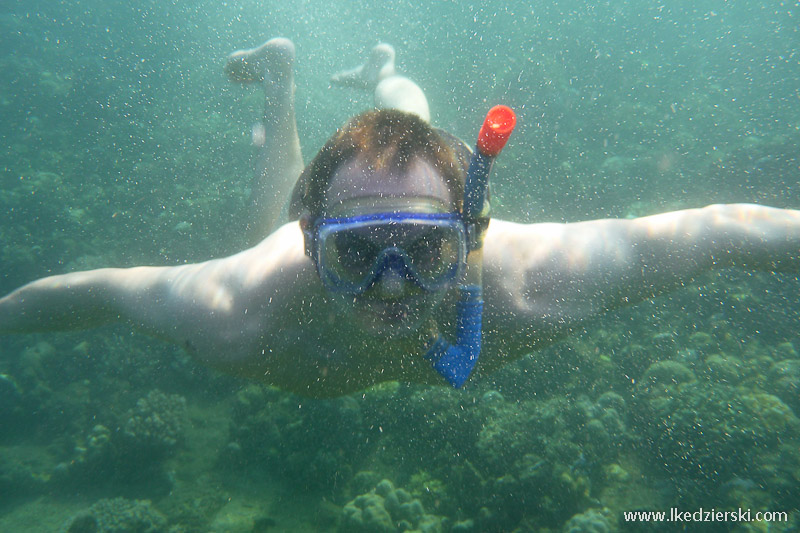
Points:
x=390 y=89
x=279 y=161
x=264 y=313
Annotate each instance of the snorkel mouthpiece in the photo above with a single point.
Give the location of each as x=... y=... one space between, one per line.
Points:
x=456 y=362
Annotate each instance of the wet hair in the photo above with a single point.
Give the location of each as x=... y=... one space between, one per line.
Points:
x=382 y=139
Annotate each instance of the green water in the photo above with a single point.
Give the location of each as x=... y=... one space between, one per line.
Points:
x=125 y=144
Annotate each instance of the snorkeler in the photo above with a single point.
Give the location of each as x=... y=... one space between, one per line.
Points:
x=371 y=280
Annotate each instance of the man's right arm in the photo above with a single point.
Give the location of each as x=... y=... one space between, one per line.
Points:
x=208 y=299
x=81 y=300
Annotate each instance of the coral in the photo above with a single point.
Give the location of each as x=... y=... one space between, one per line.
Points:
x=701 y=341
x=96 y=450
x=367 y=513
x=591 y=521
x=723 y=369
x=156 y=423
x=388 y=509
x=633 y=359
x=152 y=430
x=314 y=443
x=705 y=434
x=664 y=374
x=541 y=457
x=775 y=416
x=117 y=516
x=785 y=350
x=607 y=431
x=784 y=379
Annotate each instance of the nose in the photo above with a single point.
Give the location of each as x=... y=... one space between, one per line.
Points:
x=392 y=281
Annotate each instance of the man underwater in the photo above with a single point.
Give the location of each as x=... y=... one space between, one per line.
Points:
x=365 y=283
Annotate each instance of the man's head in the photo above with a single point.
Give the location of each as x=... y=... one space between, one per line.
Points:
x=382 y=144
x=381 y=214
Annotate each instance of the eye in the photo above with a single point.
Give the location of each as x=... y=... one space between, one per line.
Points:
x=428 y=250
x=355 y=252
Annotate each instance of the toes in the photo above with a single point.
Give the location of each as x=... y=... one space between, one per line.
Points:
x=272 y=60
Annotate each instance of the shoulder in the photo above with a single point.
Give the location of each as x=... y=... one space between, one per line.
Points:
x=236 y=282
x=281 y=252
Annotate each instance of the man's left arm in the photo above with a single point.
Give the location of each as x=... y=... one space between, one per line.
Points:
x=551 y=274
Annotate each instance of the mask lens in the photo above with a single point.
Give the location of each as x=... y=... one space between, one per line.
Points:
x=350 y=255
x=435 y=253
x=354 y=253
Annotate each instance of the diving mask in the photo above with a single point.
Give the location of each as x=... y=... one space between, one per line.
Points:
x=353 y=253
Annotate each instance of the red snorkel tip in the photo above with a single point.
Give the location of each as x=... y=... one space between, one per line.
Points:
x=497 y=127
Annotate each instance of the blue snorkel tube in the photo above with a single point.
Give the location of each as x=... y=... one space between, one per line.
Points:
x=456 y=362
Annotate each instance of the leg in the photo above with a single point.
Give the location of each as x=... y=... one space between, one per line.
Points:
x=279 y=161
x=391 y=89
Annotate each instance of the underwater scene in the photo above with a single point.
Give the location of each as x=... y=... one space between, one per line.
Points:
x=124 y=144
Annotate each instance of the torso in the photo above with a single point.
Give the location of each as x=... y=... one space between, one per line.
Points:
x=282 y=328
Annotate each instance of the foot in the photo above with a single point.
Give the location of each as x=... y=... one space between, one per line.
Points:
x=271 y=62
x=379 y=66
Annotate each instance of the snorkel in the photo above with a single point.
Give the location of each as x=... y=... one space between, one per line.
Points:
x=455 y=362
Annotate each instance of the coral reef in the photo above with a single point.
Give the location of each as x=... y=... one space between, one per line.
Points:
x=155 y=425
x=545 y=456
x=152 y=431
x=114 y=158
x=784 y=377
x=387 y=509
x=117 y=515
x=271 y=434
x=705 y=437
x=591 y=521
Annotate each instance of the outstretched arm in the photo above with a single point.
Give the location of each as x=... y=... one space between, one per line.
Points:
x=217 y=306
x=559 y=274
x=148 y=297
x=71 y=301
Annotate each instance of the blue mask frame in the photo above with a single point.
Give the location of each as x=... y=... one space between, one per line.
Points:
x=391 y=257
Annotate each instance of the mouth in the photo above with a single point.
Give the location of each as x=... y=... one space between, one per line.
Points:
x=387 y=310
x=390 y=312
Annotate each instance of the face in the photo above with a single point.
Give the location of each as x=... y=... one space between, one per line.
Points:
x=393 y=305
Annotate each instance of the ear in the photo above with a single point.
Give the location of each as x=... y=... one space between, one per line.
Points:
x=307 y=226
x=296 y=202
x=305 y=222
